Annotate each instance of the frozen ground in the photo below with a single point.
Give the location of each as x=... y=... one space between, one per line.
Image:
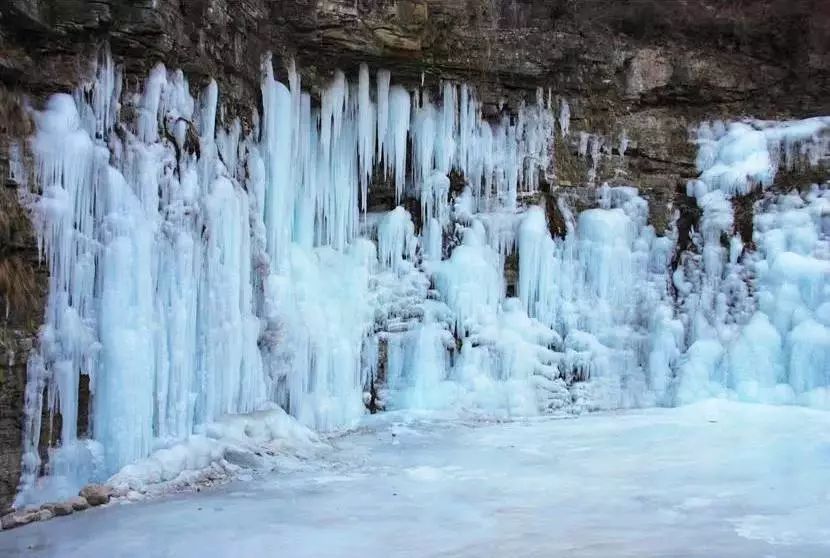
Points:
x=714 y=479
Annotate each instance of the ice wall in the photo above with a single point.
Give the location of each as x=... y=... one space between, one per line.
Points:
x=151 y=286
x=198 y=271
x=604 y=290
x=642 y=325
x=755 y=315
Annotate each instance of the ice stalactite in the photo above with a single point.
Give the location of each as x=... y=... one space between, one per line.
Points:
x=564 y=118
x=366 y=133
x=395 y=143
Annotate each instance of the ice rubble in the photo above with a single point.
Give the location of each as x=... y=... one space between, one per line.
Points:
x=198 y=272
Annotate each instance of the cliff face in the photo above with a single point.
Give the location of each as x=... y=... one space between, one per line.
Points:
x=647 y=65
x=643 y=68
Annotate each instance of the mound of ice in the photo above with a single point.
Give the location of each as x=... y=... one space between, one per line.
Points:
x=258 y=441
x=739 y=156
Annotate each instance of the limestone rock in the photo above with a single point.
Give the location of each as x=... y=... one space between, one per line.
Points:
x=96 y=494
x=59 y=508
x=395 y=40
x=79 y=503
x=649 y=69
x=18 y=519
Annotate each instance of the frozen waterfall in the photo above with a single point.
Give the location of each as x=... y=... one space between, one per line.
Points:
x=199 y=270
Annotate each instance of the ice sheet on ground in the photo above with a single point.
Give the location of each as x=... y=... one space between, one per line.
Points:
x=716 y=478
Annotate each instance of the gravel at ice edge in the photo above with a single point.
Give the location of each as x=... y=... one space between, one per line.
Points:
x=715 y=478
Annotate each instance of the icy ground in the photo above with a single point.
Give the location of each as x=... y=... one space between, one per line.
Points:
x=715 y=478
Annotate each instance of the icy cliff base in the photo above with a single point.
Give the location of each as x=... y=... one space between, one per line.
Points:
x=716 y=478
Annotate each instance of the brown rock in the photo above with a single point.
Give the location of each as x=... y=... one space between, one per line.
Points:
x=79 y=503
x=8 y=521
x=96 y=494
x=392 y=39
x=18 y=519
x=59 y=508
x=648 y=70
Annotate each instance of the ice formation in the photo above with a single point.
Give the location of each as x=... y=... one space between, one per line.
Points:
x=755 y=319
x=604 y=290
x=252 y=441
x=199 y=272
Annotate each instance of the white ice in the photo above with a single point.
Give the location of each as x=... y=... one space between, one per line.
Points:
x=753 y=315
x=716 y=478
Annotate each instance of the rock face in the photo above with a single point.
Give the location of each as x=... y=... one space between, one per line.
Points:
x=644 y=70
x=19 y=519
x=22 y=287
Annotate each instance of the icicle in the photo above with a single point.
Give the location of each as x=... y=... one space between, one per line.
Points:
x=395 y=155
x=424 y=134
x=383 y=79
x=365 y=133
x=448 y=129
x=276 y=150
x=565 y=118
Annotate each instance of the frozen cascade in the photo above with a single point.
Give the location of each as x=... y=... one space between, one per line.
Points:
x=141 y=301
x=603 y=289
x=199 y=271
x=756 y=319
x=751 y=324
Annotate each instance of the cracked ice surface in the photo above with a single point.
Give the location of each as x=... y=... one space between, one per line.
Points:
x=715 y=478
